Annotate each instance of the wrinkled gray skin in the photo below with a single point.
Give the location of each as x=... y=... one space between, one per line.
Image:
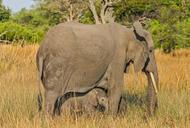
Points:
x=75 y=57
x=94 y=101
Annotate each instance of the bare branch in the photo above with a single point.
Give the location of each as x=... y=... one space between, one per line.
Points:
x=5 y=42
x=109 y=15
x=4 y=33
x=106 y=12
x=94 y=12
x=71 y=15
x=70 y=10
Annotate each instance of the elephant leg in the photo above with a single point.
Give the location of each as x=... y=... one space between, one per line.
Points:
x=50 y=99
x=113 y=100
x=115 y=83
x=114 y=92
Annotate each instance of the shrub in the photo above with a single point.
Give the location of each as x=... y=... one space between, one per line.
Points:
x=169 y=37
x=15 y=32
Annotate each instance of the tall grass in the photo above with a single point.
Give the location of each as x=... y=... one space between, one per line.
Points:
x=18 y=91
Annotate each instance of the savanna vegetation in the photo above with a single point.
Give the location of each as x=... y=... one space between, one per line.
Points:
x=169 y=23
x=169 y=20
x=18 y=89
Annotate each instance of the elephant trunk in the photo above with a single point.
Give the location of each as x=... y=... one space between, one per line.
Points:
x=152 y=90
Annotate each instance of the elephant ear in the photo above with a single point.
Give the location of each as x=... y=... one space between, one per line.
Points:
x=140 y=57
x=138 y=29
x=142 y=35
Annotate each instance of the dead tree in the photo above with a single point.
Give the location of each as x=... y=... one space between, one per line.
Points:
x=94 y=12
x=70 y=10
x=106 y=12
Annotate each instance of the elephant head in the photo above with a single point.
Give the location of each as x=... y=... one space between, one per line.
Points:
x=141 y=54
x=103 y=104
x=137 y=54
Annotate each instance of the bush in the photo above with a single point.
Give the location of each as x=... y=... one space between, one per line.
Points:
x=5 y=13
x=15 y=32
x=169 y=37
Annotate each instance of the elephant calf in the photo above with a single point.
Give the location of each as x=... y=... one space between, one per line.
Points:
x=95 y=100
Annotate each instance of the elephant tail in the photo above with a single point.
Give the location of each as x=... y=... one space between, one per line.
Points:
x=40 y=70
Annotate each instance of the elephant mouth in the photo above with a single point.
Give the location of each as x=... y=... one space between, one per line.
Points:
x=126 y=66
x=153 y=80
x=151 y=75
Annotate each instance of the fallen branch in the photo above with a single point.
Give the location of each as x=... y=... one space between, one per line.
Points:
x=5 y=42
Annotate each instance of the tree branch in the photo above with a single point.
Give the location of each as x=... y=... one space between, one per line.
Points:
x=4 y=33
x=106 y=13
x=5 y=42
x=94 y=12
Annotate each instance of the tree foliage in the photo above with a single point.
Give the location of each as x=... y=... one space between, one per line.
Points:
x=14 y=32
x=4 y=12
x=33 y=18
x=169 y=19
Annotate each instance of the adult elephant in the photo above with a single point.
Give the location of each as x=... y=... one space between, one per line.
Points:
x=74 y=58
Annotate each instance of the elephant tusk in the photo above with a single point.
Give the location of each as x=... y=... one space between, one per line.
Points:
x=153 y=81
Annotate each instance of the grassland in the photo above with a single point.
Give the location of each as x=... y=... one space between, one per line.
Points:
x=18 y=91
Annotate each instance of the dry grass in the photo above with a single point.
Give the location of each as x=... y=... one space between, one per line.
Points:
x=18 y=90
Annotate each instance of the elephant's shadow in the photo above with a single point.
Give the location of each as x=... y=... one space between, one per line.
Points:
x=130 y=99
